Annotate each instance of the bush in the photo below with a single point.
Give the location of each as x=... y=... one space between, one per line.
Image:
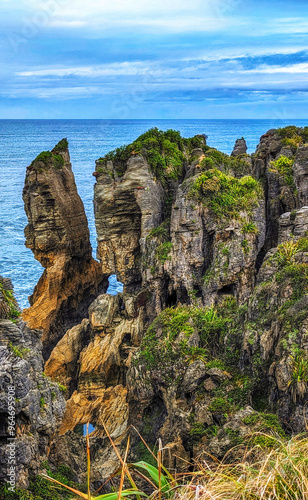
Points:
x=162 y=252
x=19 y=352
x=284 y=167
x=225 y=195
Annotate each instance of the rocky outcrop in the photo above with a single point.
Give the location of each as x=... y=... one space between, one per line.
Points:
x=240 y=147
x=210 y=332
x=157 y=232
x=281 y=162
x=31 y=406
x=58 y=235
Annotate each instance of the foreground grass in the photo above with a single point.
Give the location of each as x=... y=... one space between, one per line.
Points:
x=280 y=473
x=259 y=473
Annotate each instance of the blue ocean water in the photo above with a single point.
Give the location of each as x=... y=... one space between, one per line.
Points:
x=22 y=140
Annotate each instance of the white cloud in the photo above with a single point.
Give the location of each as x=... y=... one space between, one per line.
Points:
x=113 y=69
x=294 y=68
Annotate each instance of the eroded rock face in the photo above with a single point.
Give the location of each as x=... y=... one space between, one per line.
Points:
x=284 y=191
x=58 y=235
x=126 y=209
x=157 y=237
x=92 y=359
x=38 y=403
x=275 y=332
x=213 y=312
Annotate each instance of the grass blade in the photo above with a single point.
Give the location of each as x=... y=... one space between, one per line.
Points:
x=123 y=470
x=76 y=492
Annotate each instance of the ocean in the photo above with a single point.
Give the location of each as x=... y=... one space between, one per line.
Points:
x=22 y=140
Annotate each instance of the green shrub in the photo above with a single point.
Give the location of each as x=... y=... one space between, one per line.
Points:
x=49 y=158
x=162 y=150
x=220 y=405
x=298 y=383
x=284 y=167
x=162 y=252
x=61 y=146
x=8 y=304
x=250 y=228
x=225 y=195
x=161 y=231
x=19 y=352
x=286 y=252
x=245 y=246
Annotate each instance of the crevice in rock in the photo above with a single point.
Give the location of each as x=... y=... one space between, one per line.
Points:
x=172 y=299
x=207 y=247
x=227 y=290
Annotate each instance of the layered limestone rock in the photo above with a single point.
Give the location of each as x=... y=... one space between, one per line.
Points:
x=281 y=161
x=58 y=235
x=210 y=332
x=275 y=346
x=92 y=359
x=157 y=232
x=35 y=404
x=240 y=147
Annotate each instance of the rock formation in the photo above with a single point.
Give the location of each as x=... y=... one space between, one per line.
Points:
x=209 y=339
x=36 y=404
x=58 y=235
x=240 y=147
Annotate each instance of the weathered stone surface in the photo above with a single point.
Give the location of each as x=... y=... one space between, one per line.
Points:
x=240 y=147
x=293 y=223
x=58 y=235
x=126 y=209
x=246 y=299
x=38 y=404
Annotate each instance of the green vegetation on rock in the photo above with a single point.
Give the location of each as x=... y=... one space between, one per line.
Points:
x=167 y=340
x=165 y=152
x=50 y=159
x=162 y=252
x=284 y=167
x=18 y=351
x=8 y=304
x=41 y=489
x=293 y=136
x=61 y=146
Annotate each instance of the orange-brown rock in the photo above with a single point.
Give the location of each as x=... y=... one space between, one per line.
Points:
x=58 y=235
x=110 y=409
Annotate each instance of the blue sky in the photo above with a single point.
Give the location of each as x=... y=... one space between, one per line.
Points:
x=154 y=59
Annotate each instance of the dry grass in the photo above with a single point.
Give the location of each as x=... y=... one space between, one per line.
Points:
x=277 y=474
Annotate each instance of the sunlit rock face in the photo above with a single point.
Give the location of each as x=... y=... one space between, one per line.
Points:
x=58 y=235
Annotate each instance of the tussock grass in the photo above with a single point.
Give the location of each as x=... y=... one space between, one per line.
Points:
x=278 y=472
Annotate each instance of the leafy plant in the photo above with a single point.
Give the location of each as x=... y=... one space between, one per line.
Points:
x=250 y=228
x=18 y=351
x=162 y=252
x=8 y=304
x=299 y=378
x=286 y=252
x=164 y=152
x=225 y=195
x=284 y=167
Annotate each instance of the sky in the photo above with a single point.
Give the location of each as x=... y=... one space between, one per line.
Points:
x=126 y=59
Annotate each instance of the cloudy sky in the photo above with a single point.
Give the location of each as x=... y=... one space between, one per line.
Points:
x=153 y=59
